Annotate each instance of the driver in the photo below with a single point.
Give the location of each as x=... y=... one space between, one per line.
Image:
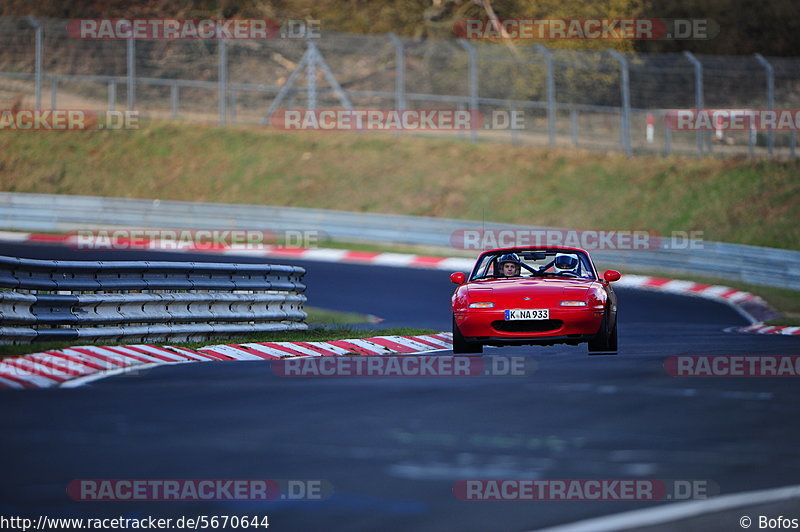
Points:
x=565 y=264
x=509 y=265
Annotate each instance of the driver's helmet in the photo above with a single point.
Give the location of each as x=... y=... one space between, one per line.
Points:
x=565 y=264
x=508 y=257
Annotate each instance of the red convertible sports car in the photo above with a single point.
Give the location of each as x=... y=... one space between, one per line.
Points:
x=538 y=296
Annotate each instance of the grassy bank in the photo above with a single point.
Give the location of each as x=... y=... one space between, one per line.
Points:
x=732 y=200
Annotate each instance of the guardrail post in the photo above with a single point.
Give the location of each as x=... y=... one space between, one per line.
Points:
x=770 y=97
x=131 y=74
x=698 y=92
x=473 y=87
x=550 y=84
x=625 y=88
x=37 y=61
x=399 y=73
x=223 y=80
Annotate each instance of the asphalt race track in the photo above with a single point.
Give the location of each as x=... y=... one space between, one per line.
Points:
x=392 y=448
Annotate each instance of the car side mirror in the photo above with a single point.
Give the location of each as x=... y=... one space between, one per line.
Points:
x=458 y=277
x=611 y=276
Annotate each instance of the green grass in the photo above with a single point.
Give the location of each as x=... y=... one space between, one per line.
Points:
x=730 y=200
x=311 y=335
x=325 y=318
x=789 y=322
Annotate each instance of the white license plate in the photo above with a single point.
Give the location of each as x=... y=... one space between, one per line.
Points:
x=528 y=314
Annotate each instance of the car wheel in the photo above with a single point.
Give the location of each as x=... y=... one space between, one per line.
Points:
x=460 y=344
x=605 y=341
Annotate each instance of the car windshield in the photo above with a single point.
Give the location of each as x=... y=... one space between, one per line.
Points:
x=566 y=264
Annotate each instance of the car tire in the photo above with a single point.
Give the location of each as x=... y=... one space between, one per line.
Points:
x=612 y=340
x=605 y=341
x=461 y=345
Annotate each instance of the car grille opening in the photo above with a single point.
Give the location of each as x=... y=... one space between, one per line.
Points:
x=527 y=325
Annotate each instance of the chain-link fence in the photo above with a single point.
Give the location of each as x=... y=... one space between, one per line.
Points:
x=600 y=100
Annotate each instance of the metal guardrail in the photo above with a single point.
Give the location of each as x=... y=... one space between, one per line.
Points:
x=178 y=301
x=62 y=213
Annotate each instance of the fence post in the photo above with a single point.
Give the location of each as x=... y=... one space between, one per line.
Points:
x=319 y=62
x=698 y=92
x=770 y=96
x=173 y=93
x=514 y=132
x=460 y=107
x=625 y=88
x=473 y=87
x=311 y=76
x=287 y=86
x=131 y=74
x=573 y=125
x=112 y=95
x=551 y=94
x=53 y=91
x=400 y=73
x=38 y=60
x=222 y=80
x=667 y=137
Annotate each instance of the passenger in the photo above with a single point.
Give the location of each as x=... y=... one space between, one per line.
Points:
x=566 y=264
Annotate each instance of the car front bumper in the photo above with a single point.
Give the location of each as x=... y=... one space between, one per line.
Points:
x=564 y=325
